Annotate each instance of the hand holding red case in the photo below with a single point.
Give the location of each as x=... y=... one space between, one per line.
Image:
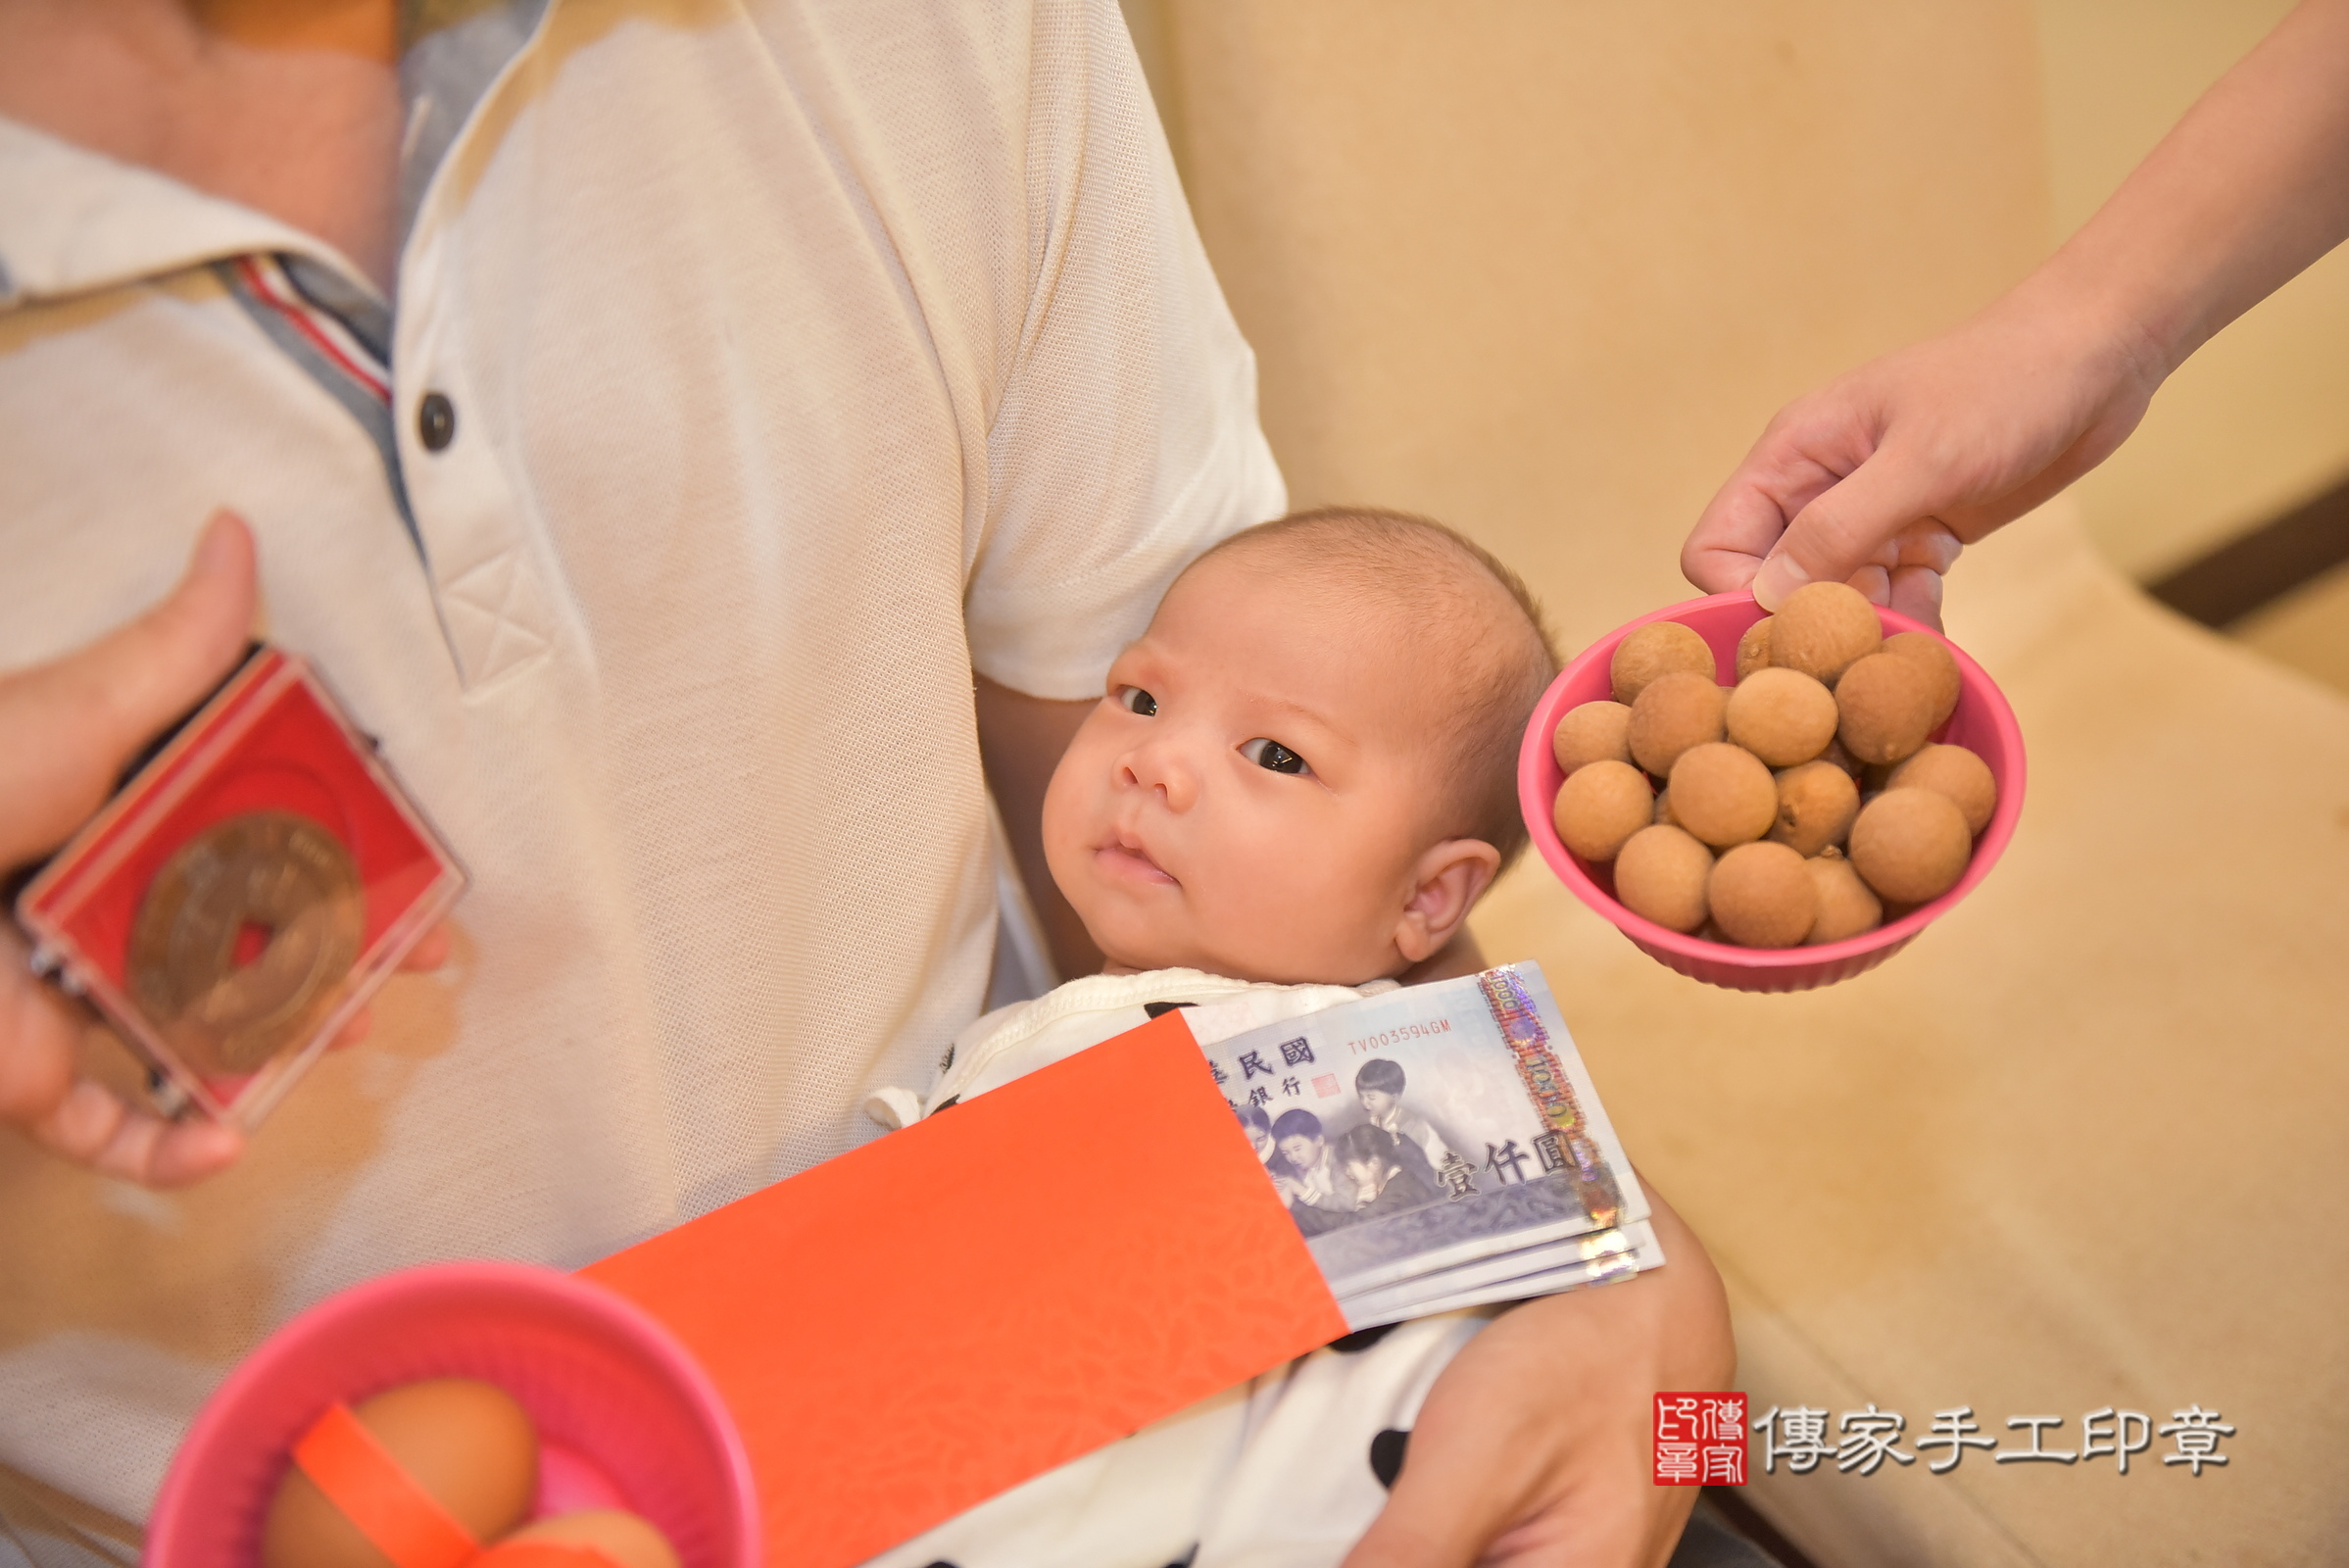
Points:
x=241 y=899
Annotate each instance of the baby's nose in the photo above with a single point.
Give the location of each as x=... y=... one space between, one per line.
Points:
x=1160 y=767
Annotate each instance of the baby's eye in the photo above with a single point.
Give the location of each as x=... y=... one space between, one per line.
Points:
x=1273 y=755
x=1134 y=699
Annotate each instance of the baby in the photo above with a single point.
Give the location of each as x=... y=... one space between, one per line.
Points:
x=1306 y=769
x=1298 y=784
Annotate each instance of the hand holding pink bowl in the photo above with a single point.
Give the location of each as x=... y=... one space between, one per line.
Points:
x=1983 y=723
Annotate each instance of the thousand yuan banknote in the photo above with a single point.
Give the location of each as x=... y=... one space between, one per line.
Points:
x=1439 y=1147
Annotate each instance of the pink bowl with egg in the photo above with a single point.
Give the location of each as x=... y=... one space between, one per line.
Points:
x=1983 y=723
x=625 y=1418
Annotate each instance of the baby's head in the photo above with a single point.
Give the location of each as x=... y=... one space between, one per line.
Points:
x=1305 y=769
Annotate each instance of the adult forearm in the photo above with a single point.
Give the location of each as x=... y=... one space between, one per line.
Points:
x=1020 y=742
x=2247 y=190
x=1534 y=1446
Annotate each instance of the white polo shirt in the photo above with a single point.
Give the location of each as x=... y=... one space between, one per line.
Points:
x=798 y=360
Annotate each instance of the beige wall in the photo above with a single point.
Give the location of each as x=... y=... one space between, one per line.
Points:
x=2259 y=420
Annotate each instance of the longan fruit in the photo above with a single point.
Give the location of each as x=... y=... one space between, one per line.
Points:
x=1661 y=874
x=1599 y=806
x=1664 y=807
x=1928 y=650
x=1956 y=772
x=1846 y=906
x=1592 y=732
x=1840 y=757
x=1675 y=712
x=1723 y=794
x=1657 y=648
x=1911 y=845
x=1781 y=715
x=1815 y=804
x=1886 y=703
x=1762 y=896
x=1822 y=629
x=1753 y=649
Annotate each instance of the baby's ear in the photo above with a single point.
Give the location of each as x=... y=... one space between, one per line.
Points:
x=1445 y=884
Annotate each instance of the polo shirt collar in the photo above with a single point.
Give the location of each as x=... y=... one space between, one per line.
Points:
x=73 y=222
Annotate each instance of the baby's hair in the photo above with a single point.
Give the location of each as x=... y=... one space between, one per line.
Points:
x=1371 y=1145
x=1383 y=1074
x=1391 y=555
x=1297 y=1124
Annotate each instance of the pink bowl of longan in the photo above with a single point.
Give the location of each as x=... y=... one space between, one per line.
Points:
x=1772 y=803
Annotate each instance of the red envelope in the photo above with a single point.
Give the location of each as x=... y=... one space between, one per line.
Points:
x=906 y=1330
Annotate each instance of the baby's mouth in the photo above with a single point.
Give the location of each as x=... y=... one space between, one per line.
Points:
x=1124 y=857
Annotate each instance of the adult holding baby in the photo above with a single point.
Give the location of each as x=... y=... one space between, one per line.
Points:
x=1881 y=477
x=652 y=420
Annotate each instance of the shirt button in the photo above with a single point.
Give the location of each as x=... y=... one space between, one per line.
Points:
x=435 y=421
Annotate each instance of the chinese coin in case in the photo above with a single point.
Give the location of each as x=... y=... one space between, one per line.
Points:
x=244 y=894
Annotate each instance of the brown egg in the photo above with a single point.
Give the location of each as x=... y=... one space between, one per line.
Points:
x=1910 y=845
x=1822 y=629
x=1592 y=732
x=1675 y=712
x=467 y=1443
x=1599 y=806
x=1661 y=874
x=1846 y=906
x=1886 y=703
x=1781 y=715
x=630 y=1541
x=1761 y=895
x=1723 y=794
x=1753 y=649
x=1930 y=650
x=1657 y=648
x=1956 y=772
x=1815 y=804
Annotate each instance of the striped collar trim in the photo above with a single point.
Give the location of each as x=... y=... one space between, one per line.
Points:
x=274 y=284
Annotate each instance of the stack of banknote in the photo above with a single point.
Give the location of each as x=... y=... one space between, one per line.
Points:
x=1440 y=1146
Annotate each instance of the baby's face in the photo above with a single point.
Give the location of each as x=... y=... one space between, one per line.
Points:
x=1255 y=795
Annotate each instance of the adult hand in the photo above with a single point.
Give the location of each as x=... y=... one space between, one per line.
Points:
x=1532 y=1447
x=1880 y=477
x=67 y=729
